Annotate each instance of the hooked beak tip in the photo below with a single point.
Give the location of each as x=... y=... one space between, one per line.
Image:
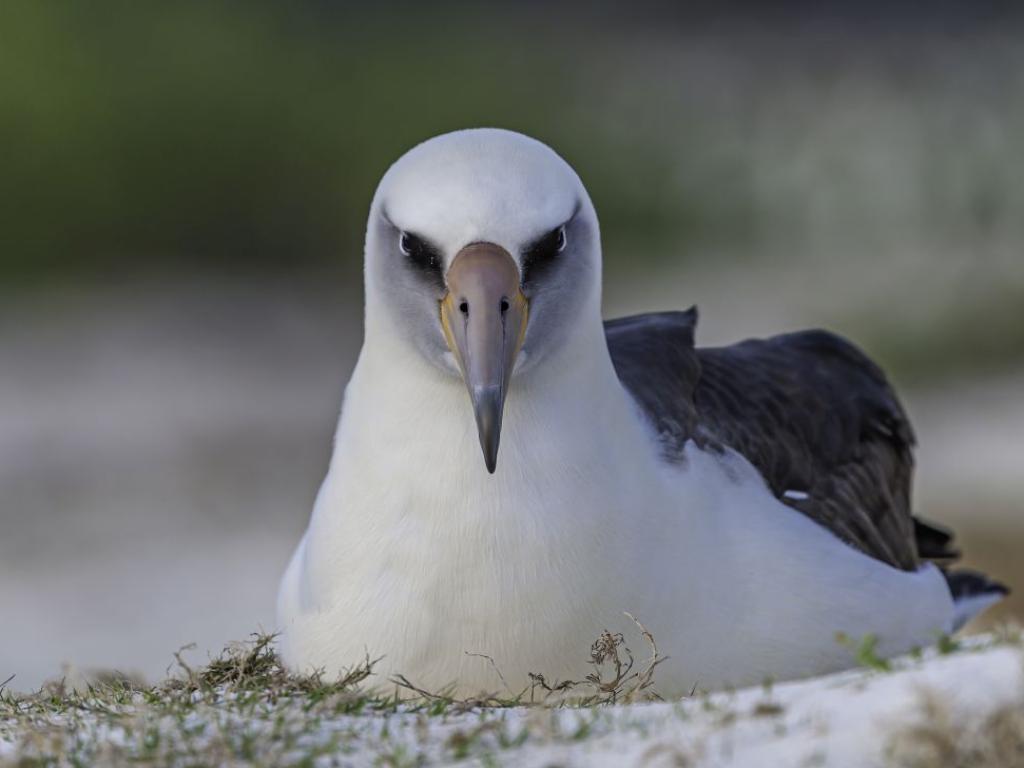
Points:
x=488 y=403
x=483 y=317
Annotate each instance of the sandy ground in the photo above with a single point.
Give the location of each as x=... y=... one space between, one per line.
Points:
x=161 y=446
x=963 y=708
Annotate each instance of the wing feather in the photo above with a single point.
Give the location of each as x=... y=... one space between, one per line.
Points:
x=809 y=410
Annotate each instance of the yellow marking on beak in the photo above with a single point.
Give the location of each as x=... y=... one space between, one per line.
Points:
x=483 y=317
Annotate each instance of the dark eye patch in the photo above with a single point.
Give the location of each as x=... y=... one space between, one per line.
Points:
x=541 y=255
x=423 y=257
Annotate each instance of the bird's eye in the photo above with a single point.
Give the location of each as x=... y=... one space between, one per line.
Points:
x=422 y=256
x=416 y=247
x=542 y=254
x=560 y=240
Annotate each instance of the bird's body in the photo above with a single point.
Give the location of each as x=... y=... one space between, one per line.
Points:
x=618 y=489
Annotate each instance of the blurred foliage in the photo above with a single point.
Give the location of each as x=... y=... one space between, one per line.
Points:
x=218 y=133
x=982 y=333
x=238 y=136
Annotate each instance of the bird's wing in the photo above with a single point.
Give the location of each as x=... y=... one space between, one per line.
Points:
x=811 y=412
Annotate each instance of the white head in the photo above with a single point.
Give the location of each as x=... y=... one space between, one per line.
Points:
x=483 y=253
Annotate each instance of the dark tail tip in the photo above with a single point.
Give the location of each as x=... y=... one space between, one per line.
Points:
x=964 y=583
x=973 y=592
x=934 y=541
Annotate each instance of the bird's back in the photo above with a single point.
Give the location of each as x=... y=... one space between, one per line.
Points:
x=810 y=411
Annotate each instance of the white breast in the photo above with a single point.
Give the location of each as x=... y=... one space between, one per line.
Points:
x=415 y=553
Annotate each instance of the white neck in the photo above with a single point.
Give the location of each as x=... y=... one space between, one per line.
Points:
x=402 y=411
x=577 y=491
x=408 y=479
x=416 y=551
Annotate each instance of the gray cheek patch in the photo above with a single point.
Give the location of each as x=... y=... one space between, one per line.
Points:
x=411 y=298
x=557 y=296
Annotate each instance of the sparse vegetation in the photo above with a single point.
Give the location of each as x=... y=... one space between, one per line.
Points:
x=244 y=708
x=196 y=137
x=623 y=686
x=865 y=651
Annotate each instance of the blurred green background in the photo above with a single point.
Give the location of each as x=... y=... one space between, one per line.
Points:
x=245 y=137
x=183 y=193
x=208 y=135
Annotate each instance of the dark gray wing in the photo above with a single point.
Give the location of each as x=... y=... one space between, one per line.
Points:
x=655 y=359
x=810 y=411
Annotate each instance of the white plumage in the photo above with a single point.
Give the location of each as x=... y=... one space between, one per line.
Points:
x=417 y=554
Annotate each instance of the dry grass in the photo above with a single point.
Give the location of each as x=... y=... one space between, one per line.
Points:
x=254 y=667
x=224 y=713
x=608 y=654
x=245 y=707
x=612 y=681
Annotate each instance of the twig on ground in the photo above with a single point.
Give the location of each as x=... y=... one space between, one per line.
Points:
x=495 y=668
x=624 y=684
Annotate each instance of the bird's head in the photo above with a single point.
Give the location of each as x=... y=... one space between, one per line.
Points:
x=483 y=251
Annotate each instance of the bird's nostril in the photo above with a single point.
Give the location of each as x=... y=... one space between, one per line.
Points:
x=464 y=307
x=504 y=306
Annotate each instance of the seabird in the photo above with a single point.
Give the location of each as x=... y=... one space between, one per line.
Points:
x=747 y=503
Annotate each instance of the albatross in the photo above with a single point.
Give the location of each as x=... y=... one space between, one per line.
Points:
x=511 y=473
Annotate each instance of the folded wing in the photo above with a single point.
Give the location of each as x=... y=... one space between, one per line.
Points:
x=809 y=410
